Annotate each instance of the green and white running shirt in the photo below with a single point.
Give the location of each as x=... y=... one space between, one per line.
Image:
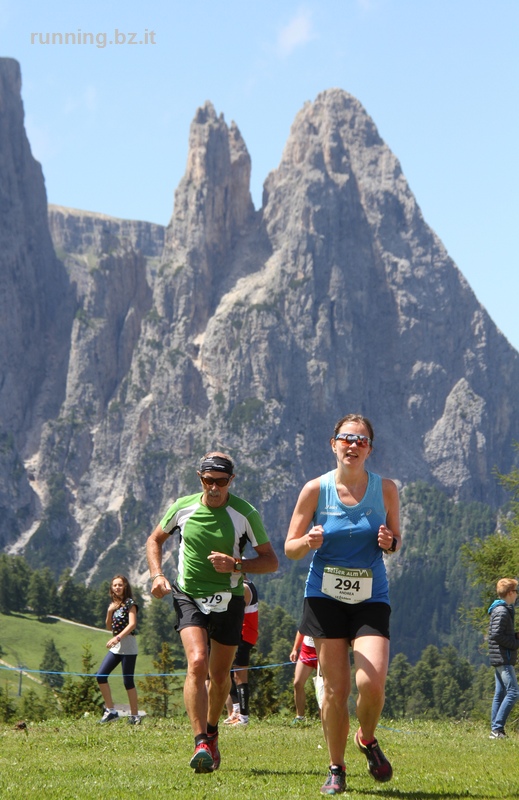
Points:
x=202 y=530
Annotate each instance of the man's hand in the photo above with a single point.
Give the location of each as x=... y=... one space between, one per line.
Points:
x=221 y=561
x=160 y=587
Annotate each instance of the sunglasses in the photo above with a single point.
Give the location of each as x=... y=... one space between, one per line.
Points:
x=353 y=438
x=219 y=481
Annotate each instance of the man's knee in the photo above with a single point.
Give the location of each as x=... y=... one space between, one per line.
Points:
x=197 y=663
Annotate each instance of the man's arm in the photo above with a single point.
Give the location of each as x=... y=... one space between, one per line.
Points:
x=160 y=586
x=265 y=561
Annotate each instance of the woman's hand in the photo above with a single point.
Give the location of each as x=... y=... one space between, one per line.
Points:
x=385 y=537
x=314 y=537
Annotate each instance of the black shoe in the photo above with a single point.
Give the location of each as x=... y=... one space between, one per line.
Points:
x=378 y=764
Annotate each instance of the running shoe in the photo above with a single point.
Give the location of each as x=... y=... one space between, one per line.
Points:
x=134 y=719
x=109 y=716
x=202 y=760
x=378 y=764
x=498 y=734
x=239 y=721
x=231 y=719
x=298 y=720
x=335 y=782
x=213 y=747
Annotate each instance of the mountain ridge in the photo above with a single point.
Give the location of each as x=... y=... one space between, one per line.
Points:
x=242 y=329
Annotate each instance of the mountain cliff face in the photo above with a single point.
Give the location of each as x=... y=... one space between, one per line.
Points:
x=250 y=331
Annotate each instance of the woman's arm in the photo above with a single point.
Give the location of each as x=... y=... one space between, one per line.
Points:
x=132 y=624
x=109 y=614
x=392 y=527
x=299 y=539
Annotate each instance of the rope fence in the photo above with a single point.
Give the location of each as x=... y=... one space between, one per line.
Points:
x=136 y=675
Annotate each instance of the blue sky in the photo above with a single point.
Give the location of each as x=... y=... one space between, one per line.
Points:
x=440 y=79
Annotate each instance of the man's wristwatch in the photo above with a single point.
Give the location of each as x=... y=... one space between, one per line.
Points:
x=393 y=546
x=238 y=566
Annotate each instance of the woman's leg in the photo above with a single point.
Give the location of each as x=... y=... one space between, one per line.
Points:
x=334 y=660
x=371 y=658
x=128 y=667
x=110 y=661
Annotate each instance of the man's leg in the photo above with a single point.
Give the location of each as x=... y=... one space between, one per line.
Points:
x=221 y=659
x=499 y=694
x=242 y=688
x=195 y=644
x=509 y=680
x=301 y=675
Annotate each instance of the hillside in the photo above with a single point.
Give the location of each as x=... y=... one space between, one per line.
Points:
x=23 y=639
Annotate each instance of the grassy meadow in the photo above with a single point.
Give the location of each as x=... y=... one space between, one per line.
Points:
x=23 y=638
x=83 y=760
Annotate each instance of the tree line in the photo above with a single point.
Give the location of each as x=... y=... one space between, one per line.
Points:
x=441 y=682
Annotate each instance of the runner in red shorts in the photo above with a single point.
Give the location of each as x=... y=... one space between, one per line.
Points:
x=305 y=663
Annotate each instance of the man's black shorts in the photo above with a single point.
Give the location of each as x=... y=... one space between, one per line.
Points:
x=224 y=627
x=326 y=618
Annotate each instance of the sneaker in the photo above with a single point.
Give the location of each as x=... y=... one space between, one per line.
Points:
x=378 y=764
x=298 y=720
x=239 y=721
x=231 y=719
x=134 y=719
x=202 y=760
x=335 y=782
x=213 y=747
x=108 y=716
x=498 y=734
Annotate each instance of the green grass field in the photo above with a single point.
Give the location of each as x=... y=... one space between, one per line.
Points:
x=86 y=761
x=82 y=760
x=23 y=637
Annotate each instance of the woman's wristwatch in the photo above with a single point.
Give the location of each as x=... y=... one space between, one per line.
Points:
x=393 y=546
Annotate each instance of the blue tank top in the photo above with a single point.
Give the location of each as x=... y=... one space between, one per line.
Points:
x=350 y=536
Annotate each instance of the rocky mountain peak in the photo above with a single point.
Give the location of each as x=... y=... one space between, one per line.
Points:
x=213 y=201
x=243 y=330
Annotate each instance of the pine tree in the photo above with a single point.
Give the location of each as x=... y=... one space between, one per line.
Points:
x=496 y=556
x=38 y=596
x=160 y=692
x=159 y=627
x=52 y=665
x=80 y=694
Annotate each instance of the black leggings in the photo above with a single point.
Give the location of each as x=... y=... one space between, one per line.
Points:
x=110 y=661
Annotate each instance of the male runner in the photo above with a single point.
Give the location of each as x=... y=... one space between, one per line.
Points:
x=214 y=527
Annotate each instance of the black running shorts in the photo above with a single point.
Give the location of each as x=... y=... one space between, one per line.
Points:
x=326 y=618
x=224 y=627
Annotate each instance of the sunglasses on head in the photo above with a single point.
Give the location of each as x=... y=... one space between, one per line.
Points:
x=219 y=481
x=353 y=438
